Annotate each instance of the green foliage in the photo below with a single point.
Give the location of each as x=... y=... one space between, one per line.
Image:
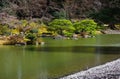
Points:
x=42 y=29
x=34 y=30
x=60 y=15
x=24 y=23
x=15 y=31
x=107 y=16
x=68 y=34
x=31 y=36
x=4 y=29
x=27 y=26
x=59 y=25
x=86 y=25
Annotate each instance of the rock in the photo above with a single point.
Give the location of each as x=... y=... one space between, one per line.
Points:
x=59 y=37
x=20 y=44
x=42 y=43
x=75 y=36
x=109 y=31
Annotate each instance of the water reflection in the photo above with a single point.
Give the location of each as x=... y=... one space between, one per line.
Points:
x=79 y=49
x=108 y=50
x=19 y=72
x=57 y=57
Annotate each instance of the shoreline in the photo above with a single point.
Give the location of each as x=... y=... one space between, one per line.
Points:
x=110 y=70
x=4 y=40
x=109 y=31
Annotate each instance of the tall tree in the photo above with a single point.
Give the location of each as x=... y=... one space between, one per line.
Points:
x=109 y=14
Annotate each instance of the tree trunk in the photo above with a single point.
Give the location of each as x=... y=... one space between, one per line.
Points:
x=112 y=26
x=61 y=32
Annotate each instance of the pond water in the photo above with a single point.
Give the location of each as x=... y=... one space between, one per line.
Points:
x=57 y=57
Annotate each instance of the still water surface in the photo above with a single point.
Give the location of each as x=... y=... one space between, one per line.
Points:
x=57 y=57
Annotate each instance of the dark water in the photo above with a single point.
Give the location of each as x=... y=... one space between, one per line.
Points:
x=57 y=57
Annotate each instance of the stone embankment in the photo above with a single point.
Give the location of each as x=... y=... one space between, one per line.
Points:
x=109 y=31
x=110 y=70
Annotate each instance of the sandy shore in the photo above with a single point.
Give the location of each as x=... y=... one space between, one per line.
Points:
x=110 y=70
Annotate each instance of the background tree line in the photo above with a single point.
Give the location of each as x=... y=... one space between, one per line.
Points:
x=46 y=10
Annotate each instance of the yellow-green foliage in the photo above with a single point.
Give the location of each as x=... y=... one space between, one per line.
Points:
x=117 y=26
x=86 y=25
x=59 y=25
x=4 y=29
x=42 y=29
x=20 y=26
x=24 y=23
x=15 y=31
x=33 y=25
x=66 y=33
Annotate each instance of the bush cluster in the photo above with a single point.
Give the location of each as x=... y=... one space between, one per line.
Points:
x=31 y=31
x=66 y=27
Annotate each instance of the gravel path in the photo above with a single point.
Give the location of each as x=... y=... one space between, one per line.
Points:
x=110 y=70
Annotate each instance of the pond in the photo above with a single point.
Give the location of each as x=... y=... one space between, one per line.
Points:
x=57 y=57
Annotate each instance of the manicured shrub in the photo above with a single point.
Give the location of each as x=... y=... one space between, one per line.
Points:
x=59 y=25
x=87 y=25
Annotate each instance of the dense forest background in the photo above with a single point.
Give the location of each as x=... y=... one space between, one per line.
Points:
x=103 y=11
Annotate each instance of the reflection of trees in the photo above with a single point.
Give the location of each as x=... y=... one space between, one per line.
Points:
x=83 y=49
x=74 y=49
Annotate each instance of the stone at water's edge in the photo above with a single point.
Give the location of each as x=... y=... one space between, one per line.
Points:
x=110 y=70
x=109 y=31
